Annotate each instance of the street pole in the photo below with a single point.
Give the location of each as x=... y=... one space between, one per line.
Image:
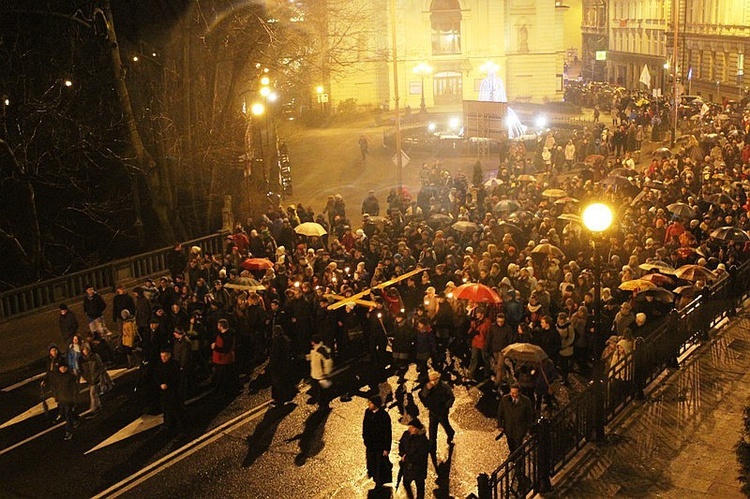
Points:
x=676 y=8
x=399 y=164
x=422 y=105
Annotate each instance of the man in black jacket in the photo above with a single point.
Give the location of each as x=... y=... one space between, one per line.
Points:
x=168 y=378
x=65 y=389
x=438 y=398
x=93 y=307
x=414 y=449
x=377 y=435
x=499 y=337
x=515 y=415
x=68 y=324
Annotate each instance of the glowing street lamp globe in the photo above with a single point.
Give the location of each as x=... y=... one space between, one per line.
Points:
x=597 y=217
x=257 y=109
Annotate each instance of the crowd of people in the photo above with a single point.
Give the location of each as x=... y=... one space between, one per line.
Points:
x=271 y=295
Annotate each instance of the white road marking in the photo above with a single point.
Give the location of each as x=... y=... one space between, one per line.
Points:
x=34 y=437
x=38 y=409
x=143 y=423
x=186 y=450
x=22 y=383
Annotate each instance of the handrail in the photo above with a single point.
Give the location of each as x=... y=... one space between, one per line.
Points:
x=33 y=297
x=558 y=439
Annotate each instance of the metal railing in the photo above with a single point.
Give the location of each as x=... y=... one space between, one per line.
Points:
x=33 y=297
x=555 y=441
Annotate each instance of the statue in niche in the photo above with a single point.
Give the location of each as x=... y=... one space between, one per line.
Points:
x=523 y=39
x=227 y=217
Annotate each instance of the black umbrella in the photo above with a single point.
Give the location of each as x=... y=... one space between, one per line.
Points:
x=617 y=181
x=730 y=234
x=719 y=198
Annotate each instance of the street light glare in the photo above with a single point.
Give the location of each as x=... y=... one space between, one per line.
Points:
x=265 y=91
x=597 y=217
x=272 y=97
x=257 y=109
x=68 y=83
x=265 y=80
x=319 y=89
x=135 y=58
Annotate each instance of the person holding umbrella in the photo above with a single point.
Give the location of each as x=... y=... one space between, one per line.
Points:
x=414 y=448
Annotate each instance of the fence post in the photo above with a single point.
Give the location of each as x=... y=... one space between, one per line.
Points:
x=599 y=409
x=639 y=368
x=544 y=455
x=483 y=486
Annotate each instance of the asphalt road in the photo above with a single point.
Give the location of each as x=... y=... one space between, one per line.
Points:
x=243 y=448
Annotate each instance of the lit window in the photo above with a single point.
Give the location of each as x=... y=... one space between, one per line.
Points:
x=445 y=18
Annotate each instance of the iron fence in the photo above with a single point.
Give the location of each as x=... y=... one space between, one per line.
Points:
x=614 y=385
x=33 y=297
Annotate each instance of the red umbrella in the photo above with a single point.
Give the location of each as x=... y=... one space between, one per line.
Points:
x=476 y=292
x=257 y=264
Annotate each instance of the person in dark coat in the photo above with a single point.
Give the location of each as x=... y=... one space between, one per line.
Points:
x=65 y=390
x=280 y=367
x=402 y=345
x=499 y=337
x=92 y=370
x=414 y=448
x=377 y=435
x=182 y=353
x=94 y=306
x=438 y=398
x=515 y=415
x=68 y=323
x=167 y=375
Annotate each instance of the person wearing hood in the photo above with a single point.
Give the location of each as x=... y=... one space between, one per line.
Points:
x=414 y=448
x=68 y=323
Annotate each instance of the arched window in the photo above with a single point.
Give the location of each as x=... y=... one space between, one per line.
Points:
x=445 y=19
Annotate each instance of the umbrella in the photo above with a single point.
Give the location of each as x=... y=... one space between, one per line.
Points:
x=695 y=273
x=659 y=265
x=624 y=172
x=571 y=217
x=492 y=183
x=658 y=279
x=660 y=294
x=310 y=229
x=510 y=228
x=464 y=226
x=524 y=352
x=439 y=218
x=719 y=198
x=617 y=181
x=566 y=200
x=476 y=292
x=548 y=249
x=245 y=284
x=681 y=210
x=554 y=193
x=636 y=285
x=593 y=158
x=506 y=205
x=684 y=289
x=520 y=214
x=525 y=177
x=257 y=264
x=730 y=234
x=663 y=153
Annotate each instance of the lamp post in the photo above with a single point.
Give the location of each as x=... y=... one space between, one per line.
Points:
x=422 y=69
x=597 y=218
x=257 y=110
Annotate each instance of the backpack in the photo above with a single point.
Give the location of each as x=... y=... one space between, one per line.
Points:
x=325 y=352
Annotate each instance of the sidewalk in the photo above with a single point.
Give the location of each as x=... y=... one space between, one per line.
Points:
x=679 y=442
x=25 y=339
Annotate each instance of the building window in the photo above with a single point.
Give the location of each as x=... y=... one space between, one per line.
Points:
x=445 y=18
x=447 y=88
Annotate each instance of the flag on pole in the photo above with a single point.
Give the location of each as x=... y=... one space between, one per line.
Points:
x=645 y=76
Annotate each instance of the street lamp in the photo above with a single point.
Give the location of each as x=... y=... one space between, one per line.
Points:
x=597 y=218
x=422 y=69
